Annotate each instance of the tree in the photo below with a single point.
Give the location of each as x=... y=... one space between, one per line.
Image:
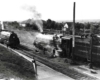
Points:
x=31 y=26
x=49 y=23
x=44 y=24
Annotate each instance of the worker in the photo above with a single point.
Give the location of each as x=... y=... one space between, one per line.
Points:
x=55 y=41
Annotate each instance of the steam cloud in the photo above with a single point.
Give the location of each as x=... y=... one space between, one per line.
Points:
x=36 y=17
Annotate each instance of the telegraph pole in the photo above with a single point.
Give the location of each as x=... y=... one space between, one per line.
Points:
x=73 y=32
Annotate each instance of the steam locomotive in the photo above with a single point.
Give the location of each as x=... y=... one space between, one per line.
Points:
x=9 y=38
x=83 y=48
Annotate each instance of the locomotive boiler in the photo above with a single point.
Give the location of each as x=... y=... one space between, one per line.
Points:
x=46 y=44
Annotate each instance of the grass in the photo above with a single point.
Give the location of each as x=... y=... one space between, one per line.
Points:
x=15 y=66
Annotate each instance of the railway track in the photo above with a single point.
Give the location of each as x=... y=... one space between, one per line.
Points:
x=63 y=69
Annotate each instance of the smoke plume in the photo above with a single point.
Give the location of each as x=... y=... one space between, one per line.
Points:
x=36 y=17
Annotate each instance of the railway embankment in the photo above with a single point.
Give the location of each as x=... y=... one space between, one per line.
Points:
x=13 y=66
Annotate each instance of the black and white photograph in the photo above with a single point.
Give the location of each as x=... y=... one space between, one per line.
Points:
x=49 y=40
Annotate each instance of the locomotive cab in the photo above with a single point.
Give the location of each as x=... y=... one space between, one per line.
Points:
x=66 y=45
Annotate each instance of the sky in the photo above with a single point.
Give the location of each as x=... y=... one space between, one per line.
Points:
x=58 y=10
